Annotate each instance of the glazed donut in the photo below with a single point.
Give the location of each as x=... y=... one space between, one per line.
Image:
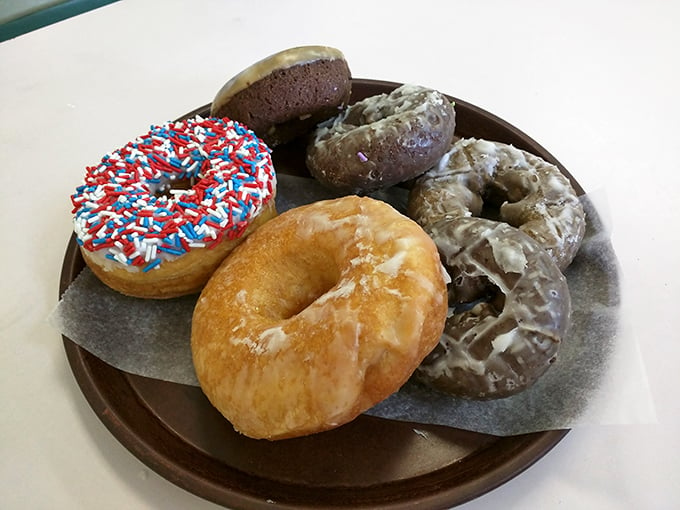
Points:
x=145 y=239
x=510 y=310
x=382 y=140
x=321 y=313
x=533 y=194
x=287 y=94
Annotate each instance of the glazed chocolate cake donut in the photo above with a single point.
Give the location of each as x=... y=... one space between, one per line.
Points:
x=382 y=140
x=509 y=310
x=533 y=195
x=287 y=94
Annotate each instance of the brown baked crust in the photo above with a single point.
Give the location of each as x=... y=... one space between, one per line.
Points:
x=185 y=275
x=317 y=316
x=289 y=102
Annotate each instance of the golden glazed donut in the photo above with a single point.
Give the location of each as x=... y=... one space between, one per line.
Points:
x=155 y=218
x=321 y=313
x=532 y=194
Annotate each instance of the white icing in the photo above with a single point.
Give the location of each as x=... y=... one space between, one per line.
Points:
x=392 y=265
x=508 y=254
x=454 y=187
x=445 y=274
x=457 y=358
x=343 y=289
x=503 y=341
x=253 y=346
x=241 y=296
x=377 y=115
x=273 y=339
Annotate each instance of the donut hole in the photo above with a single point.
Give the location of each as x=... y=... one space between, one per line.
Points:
x=307 y=296
x=467 y=292
x=491 y=199
x=302 y=282
x=491 y=211
x=508 y=187
x=471 y=286
x=164 y=189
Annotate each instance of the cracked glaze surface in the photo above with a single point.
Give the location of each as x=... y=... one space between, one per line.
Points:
x=382 y=140
x=517 y=310
x=531 y=194
x=321 y=315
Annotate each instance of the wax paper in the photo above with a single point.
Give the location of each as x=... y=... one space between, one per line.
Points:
x=597 y=378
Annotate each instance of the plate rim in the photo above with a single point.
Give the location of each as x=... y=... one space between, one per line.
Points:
x=90 y=374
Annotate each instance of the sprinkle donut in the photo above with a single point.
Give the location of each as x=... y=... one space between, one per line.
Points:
x=321 y=313
x=156 y=217
x=382 y=140
x=510 y=309
x=533 y=194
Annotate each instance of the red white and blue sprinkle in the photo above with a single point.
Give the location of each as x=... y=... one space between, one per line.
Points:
x=126 y=208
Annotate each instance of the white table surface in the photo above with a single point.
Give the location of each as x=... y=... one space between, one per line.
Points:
x=594 y=82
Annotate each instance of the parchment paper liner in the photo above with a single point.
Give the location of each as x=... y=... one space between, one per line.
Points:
x=598 y=358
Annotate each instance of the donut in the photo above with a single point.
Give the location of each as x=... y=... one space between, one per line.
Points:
x=287 y=94
x=510 y=309
x=530 y=194
x=322 y=312
x=382 y=141
x=154 y=218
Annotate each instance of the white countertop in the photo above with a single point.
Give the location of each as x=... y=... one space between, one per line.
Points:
x=594 y=82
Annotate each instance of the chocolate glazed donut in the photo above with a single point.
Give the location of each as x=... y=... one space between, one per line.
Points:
x=382 y=140
x=530 y=193
x=509 y=308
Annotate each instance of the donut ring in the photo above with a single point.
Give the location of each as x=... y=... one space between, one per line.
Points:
x=321 y=313
x=533 y=194
x=518 y=310
x=287 y=94
x=144 y=238
x=382 y=140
